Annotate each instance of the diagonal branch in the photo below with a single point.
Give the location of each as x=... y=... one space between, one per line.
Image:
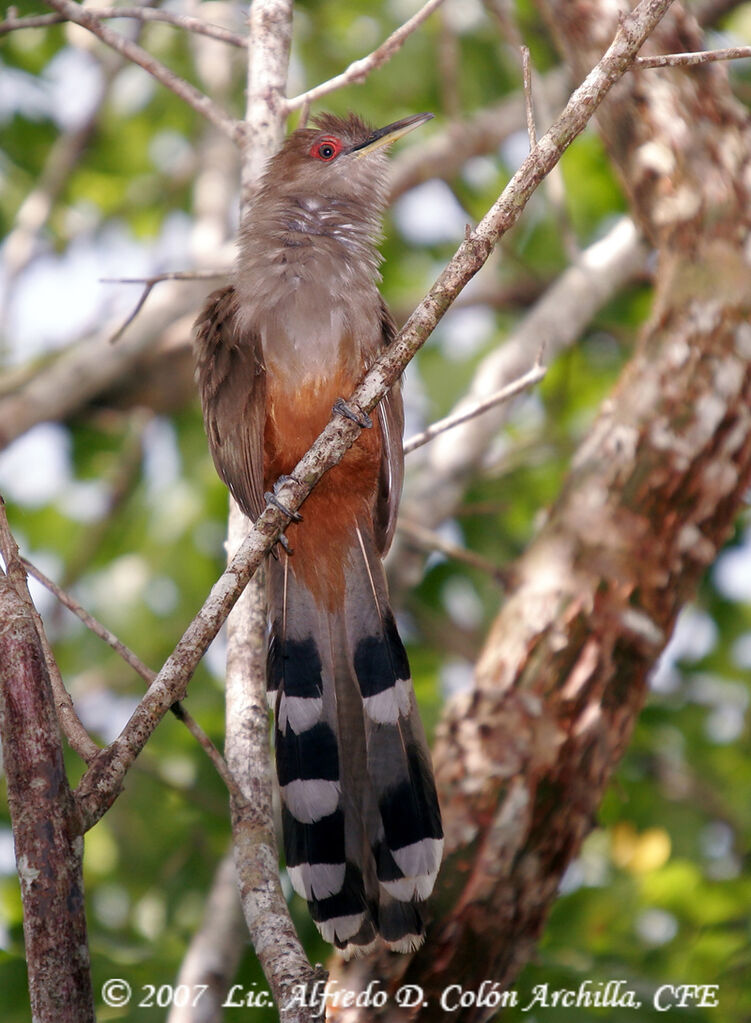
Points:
x=440 y=479
x=182 y=21
x=358 y=70
x=68 y=718
x=529 y=379
x=696 y=57
x=201 y=103
x=103 y=780
x=149 y=283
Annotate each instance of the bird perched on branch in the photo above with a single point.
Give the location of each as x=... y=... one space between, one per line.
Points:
x=276 y=350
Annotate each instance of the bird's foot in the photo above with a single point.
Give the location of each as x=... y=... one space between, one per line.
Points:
x=271 y=498
x=284 y=544
x=356 y=415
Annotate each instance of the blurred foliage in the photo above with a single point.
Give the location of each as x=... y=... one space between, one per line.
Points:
x=662 y=890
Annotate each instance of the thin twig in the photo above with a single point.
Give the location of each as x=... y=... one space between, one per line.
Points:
x=359 y=70
x=78 y=738
x=182 y=21
x=135 y=662
x=429 y=540
x=136 y=310
x=529 y=379
x=91 y=623
x=698 y=57
x=443 y=153
x=210 y=749
x=528 y=105
x=555 y=190
x=201 y=103
x=304 y=114
x=149 y=283
x=170 y=275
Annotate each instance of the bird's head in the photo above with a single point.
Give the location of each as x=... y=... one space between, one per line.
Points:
x=338 y=158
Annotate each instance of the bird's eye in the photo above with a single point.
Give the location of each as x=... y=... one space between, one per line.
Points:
x=326 y=149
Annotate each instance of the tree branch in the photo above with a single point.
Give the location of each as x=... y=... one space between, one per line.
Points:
x=265 y=909
x=265 y=110
x=202 y=104
x=689 y=59
x=358 y=70
x=526 y=380
x=529 y=108
x=181 y=21
x=135 y=662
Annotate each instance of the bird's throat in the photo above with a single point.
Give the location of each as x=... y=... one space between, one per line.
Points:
x=307 y=280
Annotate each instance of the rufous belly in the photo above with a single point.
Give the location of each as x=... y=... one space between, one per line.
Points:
x=346 y=494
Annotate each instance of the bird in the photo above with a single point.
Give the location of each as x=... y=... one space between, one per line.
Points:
x=277 y=349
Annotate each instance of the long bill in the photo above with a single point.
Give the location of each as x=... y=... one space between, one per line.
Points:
x=392 y=132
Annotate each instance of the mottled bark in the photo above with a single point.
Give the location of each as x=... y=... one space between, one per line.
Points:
x=46 y=833
x=523 y=759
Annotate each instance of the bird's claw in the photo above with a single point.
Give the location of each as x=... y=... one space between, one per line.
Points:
x=283 y=542
x=356 y=415
x=271 y=498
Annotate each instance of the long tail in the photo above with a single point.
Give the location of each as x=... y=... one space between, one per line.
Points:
x=362 y=828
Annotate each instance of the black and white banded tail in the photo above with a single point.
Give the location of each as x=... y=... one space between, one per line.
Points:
x=362 y=828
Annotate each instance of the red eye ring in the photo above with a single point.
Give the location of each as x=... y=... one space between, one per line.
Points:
x=326 y=149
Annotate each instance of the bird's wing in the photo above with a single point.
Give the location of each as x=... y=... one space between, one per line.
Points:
x=391 y=477
x=232 y=386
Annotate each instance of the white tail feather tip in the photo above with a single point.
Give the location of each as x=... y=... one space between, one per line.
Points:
x=420 y=859
x=386 y=707
x=311 y=799
x=317 y=880
x=340 y=927
x=302 y=712
x=409 y=943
